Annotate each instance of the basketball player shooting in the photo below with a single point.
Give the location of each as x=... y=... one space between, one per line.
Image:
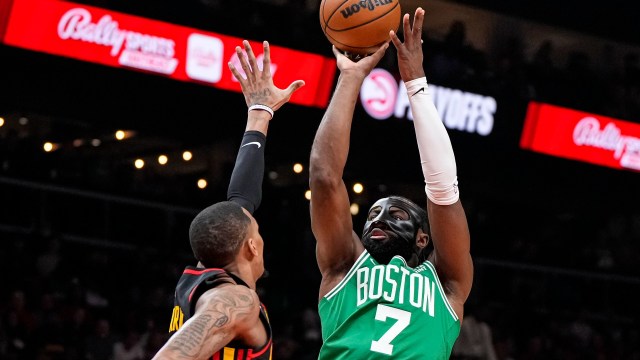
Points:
x=382 y=296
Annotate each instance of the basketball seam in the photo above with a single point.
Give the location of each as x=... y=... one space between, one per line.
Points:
x=359 y=25
x=326 y=21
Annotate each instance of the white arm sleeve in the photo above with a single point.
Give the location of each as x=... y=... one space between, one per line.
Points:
x=436 y=153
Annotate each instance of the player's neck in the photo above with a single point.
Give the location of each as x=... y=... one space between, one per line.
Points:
x=244 y=273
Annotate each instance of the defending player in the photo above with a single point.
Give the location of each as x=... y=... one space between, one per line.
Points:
x=217 y=312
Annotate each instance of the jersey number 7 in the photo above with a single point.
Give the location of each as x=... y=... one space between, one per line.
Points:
x=383 y=345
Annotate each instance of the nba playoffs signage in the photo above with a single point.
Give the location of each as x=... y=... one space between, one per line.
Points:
x=382 y=97
x=581 y=136
x=114 y=39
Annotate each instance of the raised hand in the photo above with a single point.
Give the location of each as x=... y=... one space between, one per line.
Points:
x=410 y=52
x=258 y=87
x=362 y=67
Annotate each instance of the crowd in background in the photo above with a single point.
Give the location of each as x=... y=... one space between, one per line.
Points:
x=63 y=299
x=561 y=290
x=557 y=291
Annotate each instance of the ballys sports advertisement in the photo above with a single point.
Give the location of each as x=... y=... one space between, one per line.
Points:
x=119 y=40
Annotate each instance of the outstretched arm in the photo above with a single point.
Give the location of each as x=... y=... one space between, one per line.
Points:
x=262 y=97
x=337 y=244
x=449 y=229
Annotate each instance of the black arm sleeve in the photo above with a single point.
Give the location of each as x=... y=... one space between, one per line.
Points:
x=245 y=187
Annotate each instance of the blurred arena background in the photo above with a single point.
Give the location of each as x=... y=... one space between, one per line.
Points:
x=92 y=245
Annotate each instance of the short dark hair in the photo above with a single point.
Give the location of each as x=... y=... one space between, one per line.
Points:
x=217 y=233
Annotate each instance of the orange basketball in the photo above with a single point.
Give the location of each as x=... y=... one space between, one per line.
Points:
x=359 y=26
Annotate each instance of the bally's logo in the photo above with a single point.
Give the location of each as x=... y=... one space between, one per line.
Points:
x=134 y=49
x=363 y=5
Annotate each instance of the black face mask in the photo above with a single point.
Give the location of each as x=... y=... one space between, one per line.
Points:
x=402 y=240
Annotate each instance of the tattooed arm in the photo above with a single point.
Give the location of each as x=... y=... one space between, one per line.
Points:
x=222 y=315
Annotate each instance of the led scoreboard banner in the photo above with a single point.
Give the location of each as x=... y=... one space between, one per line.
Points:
x=581 y=136
x=115 y=39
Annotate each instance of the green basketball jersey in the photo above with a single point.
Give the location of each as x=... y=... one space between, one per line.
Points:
x=387 y=312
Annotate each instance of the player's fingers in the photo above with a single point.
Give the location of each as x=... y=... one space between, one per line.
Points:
x=266 y=61
x=294 y=86
x=236 y=74
x=252 y=58
x=243 y=61
x=418 y=20
x=336 y=52
x=406 y=27
x=380 y=52
x=394 y=39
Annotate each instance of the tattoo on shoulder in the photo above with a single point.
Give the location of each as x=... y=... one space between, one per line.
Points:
x=234 y=304
x=220 y=311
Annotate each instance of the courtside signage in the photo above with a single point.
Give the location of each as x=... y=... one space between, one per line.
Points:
x=581 y=136
x=383 y=97
x=119 y=40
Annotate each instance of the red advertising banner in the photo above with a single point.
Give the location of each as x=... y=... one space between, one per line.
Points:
x=5 y=9
x=581 y=136
x=115 y=39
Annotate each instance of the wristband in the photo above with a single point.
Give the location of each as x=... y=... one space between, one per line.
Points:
x=261 y=107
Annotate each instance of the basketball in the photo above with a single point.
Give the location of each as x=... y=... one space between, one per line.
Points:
x=359 y=26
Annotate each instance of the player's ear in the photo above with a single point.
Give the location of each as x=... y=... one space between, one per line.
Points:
x=422 y=239
x=251 y=247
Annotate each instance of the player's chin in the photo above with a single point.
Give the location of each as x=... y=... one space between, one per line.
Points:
x=264 y=274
